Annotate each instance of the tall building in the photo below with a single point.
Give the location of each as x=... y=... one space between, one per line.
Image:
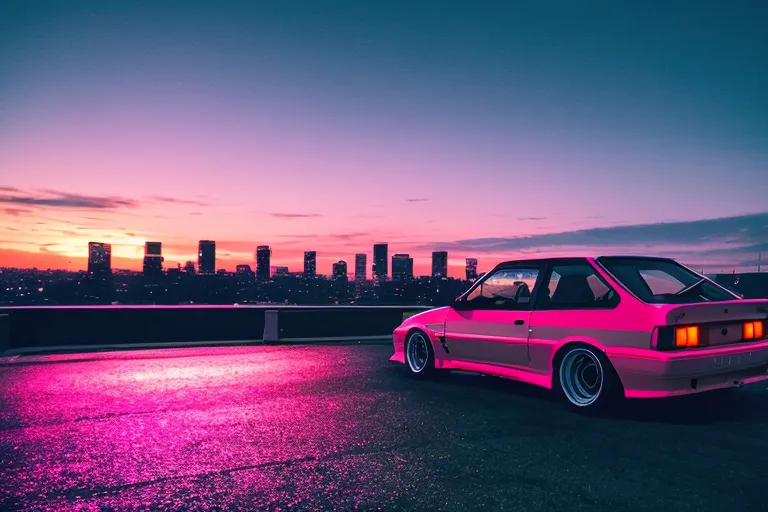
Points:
x=99 y=259
x=361 y=263
x=440 y=264
x=471 y=269
x=340 y=270
x=402 y=267
x=380 y=262
x=310 y=264
x=206 y=257
x=153 y=259
x=263 y=257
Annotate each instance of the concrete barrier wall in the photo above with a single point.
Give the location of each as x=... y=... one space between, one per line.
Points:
x=31 y=327
x=5 y=333
x=337 y=322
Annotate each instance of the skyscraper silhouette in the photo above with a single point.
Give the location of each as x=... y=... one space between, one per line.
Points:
x=310 y=264
x=263 y=257
x=440 y=264
x=206 y=257
x=380 y=262
x=99 y=259
x=402 y=267
x=153 y=259
x=340 y=270
x=360 y=267
x=471 y=269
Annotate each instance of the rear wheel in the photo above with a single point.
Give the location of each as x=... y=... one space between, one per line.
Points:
x=419 y=356
x=586 y=378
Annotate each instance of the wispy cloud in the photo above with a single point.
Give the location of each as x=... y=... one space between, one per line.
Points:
x=176 y=200
x=531 y=218
x=298 y=236
x=357 y=235
x=53 y=198
x=729 y=236
x=349 y=236
x=294 y=215
x=59 y=199
x=15 y=212
x=417 y=200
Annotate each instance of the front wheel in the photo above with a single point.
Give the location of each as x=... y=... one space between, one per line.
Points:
x=587 y=379
x=419 y=356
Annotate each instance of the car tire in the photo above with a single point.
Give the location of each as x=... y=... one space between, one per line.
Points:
x=419 y=355
x=586 y=379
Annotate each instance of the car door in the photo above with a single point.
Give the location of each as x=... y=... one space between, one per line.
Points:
x=490 y=323
x=573 y=301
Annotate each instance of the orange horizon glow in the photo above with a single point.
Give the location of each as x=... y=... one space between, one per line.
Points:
x=49 y=236
x=10 y=258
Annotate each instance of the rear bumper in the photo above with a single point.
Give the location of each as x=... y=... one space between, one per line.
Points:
x=650 y=373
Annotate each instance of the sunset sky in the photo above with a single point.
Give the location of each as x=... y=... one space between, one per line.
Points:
x=488 y=129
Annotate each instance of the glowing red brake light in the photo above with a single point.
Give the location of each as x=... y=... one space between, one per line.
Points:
x=753 y=330
x=687 y=336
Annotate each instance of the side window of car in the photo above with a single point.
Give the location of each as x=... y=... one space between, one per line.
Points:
x=505 y=289
x=575 y=286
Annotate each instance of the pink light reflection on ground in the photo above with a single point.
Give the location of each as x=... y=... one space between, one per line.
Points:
x=119 y=421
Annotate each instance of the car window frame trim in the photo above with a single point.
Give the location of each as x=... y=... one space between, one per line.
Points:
x=528 y=265
x=577 y=261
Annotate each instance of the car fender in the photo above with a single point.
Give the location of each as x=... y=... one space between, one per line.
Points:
x=431 y=322
x=584 y=340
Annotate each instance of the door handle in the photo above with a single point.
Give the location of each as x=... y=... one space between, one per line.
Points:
x=519 y=322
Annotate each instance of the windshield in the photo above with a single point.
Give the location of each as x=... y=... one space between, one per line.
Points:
x=658 y=281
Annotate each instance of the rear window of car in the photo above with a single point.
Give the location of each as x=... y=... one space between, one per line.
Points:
x=660 y=281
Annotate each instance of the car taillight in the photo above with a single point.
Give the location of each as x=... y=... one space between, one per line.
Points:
x=687 y=336
x=753 y=330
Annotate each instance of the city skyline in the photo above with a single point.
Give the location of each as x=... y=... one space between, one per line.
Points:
x=263 y=268
x=494 y=132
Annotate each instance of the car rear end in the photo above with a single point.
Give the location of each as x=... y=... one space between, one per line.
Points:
x=698 y=347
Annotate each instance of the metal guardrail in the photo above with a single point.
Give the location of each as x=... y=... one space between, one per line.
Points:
x=46 y=327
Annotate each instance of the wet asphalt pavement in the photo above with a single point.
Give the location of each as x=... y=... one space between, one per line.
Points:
x=340 y=427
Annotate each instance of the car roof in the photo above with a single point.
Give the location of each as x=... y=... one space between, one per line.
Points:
x=572 y=259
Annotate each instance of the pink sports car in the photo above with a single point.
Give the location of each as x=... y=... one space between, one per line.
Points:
x=595 y=329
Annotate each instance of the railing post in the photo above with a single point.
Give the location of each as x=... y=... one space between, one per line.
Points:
x=271 y=332
x=5 y=332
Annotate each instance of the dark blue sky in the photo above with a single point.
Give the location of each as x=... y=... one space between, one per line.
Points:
x=578 y=114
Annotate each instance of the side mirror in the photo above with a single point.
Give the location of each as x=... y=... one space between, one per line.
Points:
x=459 y=304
